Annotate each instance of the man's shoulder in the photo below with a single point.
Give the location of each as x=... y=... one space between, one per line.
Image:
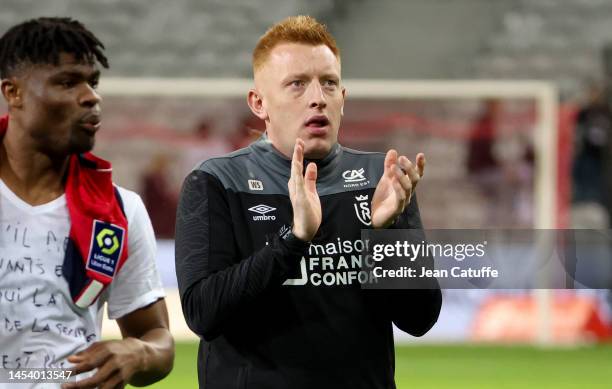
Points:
x=131 y=201
x=127 y=195
x=231 y=160
x=231 y=170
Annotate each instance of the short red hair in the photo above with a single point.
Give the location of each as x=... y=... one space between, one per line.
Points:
x=294 y=29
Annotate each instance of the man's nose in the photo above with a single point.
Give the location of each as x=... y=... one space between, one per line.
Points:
x=89 y=97
x=316 y=96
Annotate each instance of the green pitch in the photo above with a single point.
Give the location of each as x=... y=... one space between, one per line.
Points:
x=465 y=367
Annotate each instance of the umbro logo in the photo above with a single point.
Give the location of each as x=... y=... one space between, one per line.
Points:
x=262 y=210
x=353 y=175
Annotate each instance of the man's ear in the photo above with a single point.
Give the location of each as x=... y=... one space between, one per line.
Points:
x=343 y=99
x=11 y=92
x=255 y=102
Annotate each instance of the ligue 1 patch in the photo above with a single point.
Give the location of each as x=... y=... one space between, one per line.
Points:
x=106 y=248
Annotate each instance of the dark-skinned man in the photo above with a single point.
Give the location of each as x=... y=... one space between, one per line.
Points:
x=70 y=240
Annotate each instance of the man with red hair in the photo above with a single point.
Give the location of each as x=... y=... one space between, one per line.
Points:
x=268 y=245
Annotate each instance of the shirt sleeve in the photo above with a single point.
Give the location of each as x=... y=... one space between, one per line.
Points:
x=214 y=282
x=137 y=284
x=415 y=311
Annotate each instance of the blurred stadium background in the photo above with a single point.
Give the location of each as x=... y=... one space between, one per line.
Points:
x=517 y=131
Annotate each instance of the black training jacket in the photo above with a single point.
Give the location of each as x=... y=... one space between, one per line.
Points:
x=272 y=311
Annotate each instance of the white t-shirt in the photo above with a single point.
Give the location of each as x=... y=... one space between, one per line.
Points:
x=40 y=326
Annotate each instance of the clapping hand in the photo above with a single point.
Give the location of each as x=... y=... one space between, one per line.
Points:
x=395 y=188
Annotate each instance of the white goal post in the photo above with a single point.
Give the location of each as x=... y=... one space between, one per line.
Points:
x=543 y=93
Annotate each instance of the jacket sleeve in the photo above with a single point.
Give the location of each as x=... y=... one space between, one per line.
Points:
x=213 y=282
x=415 y=311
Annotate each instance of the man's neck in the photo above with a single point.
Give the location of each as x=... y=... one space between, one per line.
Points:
x=33 y=176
